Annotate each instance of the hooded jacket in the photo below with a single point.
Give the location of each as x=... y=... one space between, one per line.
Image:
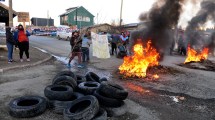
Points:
x=9 y=36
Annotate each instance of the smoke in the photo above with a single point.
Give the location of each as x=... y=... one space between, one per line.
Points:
x=194 y=36
x=162 y=17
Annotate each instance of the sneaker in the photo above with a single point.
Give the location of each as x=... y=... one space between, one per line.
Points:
x=9 y=62
x=28 y=60
x=80 y=66
x=21 y=60
x=68 y=65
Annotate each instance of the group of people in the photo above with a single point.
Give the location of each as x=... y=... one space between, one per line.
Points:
x=19 y=38
x=80 y=45
x=118 y=41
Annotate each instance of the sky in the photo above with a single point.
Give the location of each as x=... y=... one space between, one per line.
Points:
x=104 y=11
x=107 y=10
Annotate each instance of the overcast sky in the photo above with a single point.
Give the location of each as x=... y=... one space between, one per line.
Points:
x=107 y=10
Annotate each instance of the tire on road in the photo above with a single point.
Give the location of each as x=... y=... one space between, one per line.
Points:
x=84 y=108
x=58 y=92
x=27 y=106
x=101 y=115
x=106 y=101
x=65 y=80
x=88 y=88
x=104 y=79
x=91 y=76
x=67 y=73
x=59 y=106
x=113 y=91
x=80 y=79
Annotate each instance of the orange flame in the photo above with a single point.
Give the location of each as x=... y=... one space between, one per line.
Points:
x=193 y=56
x=155 y=76
x=137 y=64
x=136 y=88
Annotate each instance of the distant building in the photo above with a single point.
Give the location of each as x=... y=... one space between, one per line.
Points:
x=42 y=21
x=77 y=16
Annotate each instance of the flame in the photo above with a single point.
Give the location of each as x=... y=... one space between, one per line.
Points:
x=137 y=64
x=136 y=88
x=155 y=76
x=193 y=56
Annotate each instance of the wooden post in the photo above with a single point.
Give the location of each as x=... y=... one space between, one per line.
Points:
x=10 y=13
x=24 y=26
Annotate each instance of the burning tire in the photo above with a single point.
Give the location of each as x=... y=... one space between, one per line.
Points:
x=80 y=79
x=84 y=108
x=88 y=88
x=27 y=106
x=101 y=115
x=113 y=91
x=106 y=101
x=58 y=92
x=91 y=76
x=65 y=80
x=59 y=106
x=65 y=73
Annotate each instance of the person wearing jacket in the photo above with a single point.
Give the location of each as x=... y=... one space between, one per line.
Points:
x=10 y=42
x=85 y=48
x=21 y=37
x=75 y=43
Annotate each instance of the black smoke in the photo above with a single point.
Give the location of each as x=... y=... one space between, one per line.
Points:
x=194 y=35
x=162 y=17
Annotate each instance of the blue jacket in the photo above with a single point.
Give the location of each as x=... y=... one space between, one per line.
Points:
x=16 y=33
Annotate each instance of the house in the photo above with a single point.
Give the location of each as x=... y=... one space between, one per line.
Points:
x=77 y=16
x=101 y=28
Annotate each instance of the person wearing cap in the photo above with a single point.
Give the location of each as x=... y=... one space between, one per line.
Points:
x=21 y=36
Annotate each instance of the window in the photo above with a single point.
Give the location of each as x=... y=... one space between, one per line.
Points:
x=82 y=18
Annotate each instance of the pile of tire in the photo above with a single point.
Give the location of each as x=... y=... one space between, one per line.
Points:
x=74 y=96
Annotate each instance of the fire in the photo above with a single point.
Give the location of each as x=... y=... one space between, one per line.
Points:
x=137 y=64
x=155 y=76
x=193 y=56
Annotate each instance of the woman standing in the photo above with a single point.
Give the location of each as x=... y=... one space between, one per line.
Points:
x=23 y=42
x=10 y=43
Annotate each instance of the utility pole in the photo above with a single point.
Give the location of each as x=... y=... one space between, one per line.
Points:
x=97 y=18
x=10 y=14
x=76 y=18
x=120 y=22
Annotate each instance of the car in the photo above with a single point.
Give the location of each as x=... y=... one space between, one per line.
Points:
x=64 y=32
x=2 y=33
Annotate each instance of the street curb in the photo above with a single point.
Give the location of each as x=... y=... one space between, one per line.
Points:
x=27 y=65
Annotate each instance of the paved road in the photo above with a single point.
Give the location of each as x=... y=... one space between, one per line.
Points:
x=196 y=86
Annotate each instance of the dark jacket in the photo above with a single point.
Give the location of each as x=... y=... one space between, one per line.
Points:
x=9 y=36
x=75 y=43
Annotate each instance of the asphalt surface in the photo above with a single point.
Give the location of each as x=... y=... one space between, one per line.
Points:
x=179 y=94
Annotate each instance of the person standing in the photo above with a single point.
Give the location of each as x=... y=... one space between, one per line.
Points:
x=124 y=39
x=85 y=48
x=23 y=42
x=10 y=42
x=75 y=43
x=115 y=40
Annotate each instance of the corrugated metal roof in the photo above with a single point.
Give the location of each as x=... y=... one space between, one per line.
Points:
x=69 y=10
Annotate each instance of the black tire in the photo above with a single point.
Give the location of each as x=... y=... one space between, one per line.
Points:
x=118 y=111
x=27 y=106
x=67 y=73
x=104 y=79
x=101 y=115
x=88 y=88
x=80 y=79
x=65 y=80
x=113 y=91
x=91 y=76
x=59 y=106
x=58 y=92
x=84 y=108
x=105 y=101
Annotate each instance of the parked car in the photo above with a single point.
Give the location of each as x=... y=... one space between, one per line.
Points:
x=64 y=32
x=2 y=34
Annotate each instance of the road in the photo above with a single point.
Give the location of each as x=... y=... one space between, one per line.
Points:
x=179 y=94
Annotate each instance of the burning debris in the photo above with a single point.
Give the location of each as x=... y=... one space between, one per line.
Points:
x=194 y=56
x=136 y=65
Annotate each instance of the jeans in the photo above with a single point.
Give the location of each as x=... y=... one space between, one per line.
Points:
x=85 y=54
x=10 y=51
